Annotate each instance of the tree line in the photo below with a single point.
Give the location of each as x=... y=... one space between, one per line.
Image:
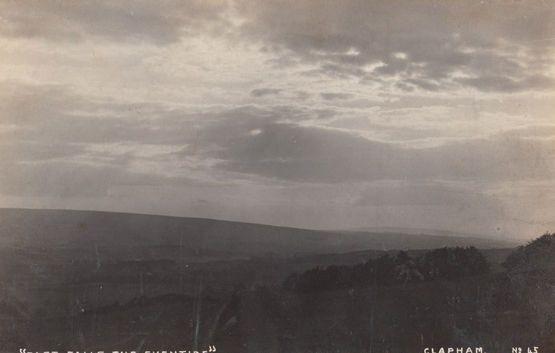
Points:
x=444 y=263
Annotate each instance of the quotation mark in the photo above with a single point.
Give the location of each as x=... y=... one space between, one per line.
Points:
x=211 y=348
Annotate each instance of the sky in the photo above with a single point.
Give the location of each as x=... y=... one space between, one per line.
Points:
x=317 y=114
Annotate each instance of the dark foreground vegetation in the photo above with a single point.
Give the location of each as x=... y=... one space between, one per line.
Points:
x=387 y=270
x=86 y=297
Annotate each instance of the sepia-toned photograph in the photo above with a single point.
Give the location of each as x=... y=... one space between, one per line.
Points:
x=277 y=176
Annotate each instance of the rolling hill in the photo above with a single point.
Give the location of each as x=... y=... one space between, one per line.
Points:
x=68 y=229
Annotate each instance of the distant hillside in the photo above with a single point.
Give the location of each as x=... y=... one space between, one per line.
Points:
x=401 y=230
x=68 y=229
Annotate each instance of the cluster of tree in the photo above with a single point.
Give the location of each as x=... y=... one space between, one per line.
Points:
x=536 y=253
x=444 y=263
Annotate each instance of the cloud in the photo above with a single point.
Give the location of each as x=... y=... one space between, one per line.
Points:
x=279 y=142
x=507 y=84
x=261 y=92
x=38 y=150
x=46 y=113
x=533 y=131
x=65 y=179
x=158 y=23
x=69 y=172
x=57 y=143
x=423 y=194
x=463 y=203
x=330 y=96
x=421 y=44
x=311 y=154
